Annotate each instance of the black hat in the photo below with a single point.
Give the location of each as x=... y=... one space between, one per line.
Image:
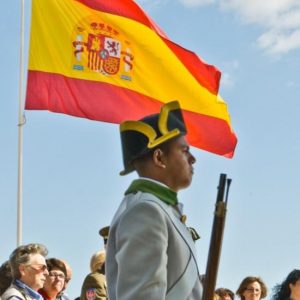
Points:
x=104 y=231
x=140 y=137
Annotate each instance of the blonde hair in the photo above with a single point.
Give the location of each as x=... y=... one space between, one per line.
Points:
x=97 y=261
x=216 y=297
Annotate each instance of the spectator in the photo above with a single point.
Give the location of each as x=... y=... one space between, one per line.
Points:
x=252 y=288
x=94 y=285
x=63 y=295
x=216 y=296
x=225 y=294
x=289 y=289
x=29 y=272
x=5 y=277
x=55 y=281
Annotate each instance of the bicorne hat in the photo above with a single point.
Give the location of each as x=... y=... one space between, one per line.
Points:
x=140 y=137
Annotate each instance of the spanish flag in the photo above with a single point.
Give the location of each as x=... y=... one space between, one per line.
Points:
x=108 y=61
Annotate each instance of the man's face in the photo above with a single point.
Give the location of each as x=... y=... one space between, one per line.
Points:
x=34 y=272
x=179 y=164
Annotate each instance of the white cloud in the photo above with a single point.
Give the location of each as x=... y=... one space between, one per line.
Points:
x=227 y=81
x=258 y=11
x=278 y=42
x=279 y=19
x=194 y=3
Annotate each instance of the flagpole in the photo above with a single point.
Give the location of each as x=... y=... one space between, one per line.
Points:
x=20 y=132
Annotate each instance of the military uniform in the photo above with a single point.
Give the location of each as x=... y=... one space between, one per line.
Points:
x=160 y=260
x=94 y=287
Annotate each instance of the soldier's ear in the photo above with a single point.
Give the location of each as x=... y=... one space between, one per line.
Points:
x=159 y=158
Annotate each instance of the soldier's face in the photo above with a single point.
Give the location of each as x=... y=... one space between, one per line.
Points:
x=179 y=164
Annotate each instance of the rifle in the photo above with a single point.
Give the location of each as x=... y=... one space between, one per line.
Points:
x=216 y=239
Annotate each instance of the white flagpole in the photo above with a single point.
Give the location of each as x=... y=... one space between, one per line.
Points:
x=20 y=131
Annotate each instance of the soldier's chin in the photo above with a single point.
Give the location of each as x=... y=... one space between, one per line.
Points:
x=186 y=184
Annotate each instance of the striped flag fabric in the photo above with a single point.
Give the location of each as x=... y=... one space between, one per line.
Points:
x=109 y=61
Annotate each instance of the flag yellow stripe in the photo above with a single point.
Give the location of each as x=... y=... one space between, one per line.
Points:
x=53 y=29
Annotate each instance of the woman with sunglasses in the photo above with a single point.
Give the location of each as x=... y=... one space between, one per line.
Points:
x=55 y=280
x=289 y=289
x=252 y=288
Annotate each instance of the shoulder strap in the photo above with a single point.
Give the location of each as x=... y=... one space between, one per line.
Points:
x=185 y=284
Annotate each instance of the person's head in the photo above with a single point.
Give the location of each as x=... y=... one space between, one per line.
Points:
x=252 y=288
x=225 y=294
x=28 y=264
x=289 y=288
x=5 y=277
x=55 y=280
x=97 y=262
x=69 y=272
x=104 y=231
x=216 y=296
x=156 y=148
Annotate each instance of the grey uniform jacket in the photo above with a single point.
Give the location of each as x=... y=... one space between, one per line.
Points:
x=150 y=253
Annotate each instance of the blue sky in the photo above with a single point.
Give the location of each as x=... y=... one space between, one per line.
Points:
x=71 y=165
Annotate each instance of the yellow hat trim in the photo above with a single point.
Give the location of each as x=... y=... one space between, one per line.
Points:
x=148 y=131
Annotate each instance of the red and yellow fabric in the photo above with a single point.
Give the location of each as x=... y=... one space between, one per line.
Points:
x=108 y=61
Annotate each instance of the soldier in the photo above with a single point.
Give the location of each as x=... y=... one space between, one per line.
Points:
x=104 y=233
x=94 y=284
x=150 y=251
x=29 y=271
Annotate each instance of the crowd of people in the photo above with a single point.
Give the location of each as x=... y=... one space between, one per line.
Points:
x=29 y=275
x=149 y=250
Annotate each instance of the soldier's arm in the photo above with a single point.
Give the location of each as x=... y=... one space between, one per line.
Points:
x=142 y=240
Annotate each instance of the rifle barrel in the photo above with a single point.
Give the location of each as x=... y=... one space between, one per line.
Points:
x=216 y=239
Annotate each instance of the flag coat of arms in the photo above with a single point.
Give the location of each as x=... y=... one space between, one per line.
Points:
x=108 y=61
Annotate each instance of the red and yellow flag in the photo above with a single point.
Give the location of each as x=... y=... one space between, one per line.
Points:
x=108 y=61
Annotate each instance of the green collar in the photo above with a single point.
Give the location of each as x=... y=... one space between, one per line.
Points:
x=163 y=193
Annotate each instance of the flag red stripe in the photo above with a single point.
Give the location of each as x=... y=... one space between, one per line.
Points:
x=108 y=103
x=207 y=75
x=124 y=8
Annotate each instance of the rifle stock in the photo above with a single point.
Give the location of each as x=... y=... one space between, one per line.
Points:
x=216 y=239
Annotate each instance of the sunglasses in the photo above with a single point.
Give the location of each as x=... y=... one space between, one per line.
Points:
x=38 y=267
